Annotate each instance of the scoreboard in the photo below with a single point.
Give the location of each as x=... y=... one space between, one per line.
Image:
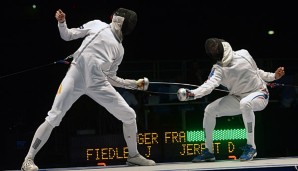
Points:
x=166 y=146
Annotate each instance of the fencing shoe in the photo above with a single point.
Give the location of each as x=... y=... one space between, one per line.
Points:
x=139 y=160
x=28 y=165
x=206 y=156
x=248 y=153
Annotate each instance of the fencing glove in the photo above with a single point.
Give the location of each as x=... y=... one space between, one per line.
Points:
x=142 y=84
x=184 y=94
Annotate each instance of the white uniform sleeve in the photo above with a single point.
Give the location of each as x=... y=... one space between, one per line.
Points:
x=123 y=83
x=266 y=76
x=213 y=81
x=117 y=81
x=74 y=33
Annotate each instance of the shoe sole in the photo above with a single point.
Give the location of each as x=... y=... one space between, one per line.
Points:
x=208 y=160
x=250 y=158
x=133 y=164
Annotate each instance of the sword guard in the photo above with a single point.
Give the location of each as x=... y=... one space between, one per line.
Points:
x=146 y=83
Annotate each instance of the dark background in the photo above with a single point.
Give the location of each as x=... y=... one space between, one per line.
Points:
x=166 y=31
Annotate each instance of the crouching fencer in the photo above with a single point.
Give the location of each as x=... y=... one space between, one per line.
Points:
x=93 y=72
x=246 y=83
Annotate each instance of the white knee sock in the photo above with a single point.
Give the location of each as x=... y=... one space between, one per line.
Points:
x=130 y=136
x=209 y=125
x=41 y=136
x=249 y=122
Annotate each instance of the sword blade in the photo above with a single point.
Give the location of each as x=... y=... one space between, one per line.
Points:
x=184 y=84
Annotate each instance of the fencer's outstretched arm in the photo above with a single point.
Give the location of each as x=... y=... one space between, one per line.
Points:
x=140 y=84
x=269 y=76
x=206 y=88
x=72 y=33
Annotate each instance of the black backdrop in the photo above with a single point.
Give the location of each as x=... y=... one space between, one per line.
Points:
x=166 y=30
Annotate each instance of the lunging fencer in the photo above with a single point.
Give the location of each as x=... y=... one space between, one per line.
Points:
x=239 y=73
x=93 y=72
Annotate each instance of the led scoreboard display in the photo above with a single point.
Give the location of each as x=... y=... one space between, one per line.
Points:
x=167 y=146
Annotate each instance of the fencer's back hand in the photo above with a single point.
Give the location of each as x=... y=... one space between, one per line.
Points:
x=184 y=94
x=280 y=71
x=60 y=16
x=142 y=84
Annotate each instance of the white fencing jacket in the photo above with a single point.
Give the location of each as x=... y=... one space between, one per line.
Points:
x=102 y=43
x=240 y=76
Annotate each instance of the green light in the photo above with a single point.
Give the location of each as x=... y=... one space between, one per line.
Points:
x=271 y=32
x=218 y=135
x=193 y=136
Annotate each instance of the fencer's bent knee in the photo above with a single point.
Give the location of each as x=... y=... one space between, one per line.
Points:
x=210 y=111
x=245 y=105
x=48 y=124
x=129 y=116
x=55 y=117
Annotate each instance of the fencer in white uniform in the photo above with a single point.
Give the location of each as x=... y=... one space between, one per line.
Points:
x=247 y=86
x=93 y=72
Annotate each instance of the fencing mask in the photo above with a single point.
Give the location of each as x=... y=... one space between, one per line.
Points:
x=130 y=20
x=214 y=48
x=219 y=50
